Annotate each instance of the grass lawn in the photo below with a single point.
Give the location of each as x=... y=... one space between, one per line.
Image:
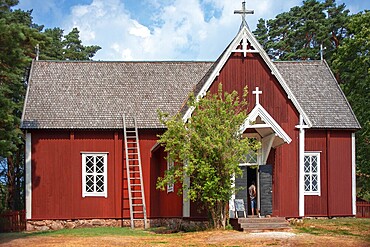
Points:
x=359 y=228
x=317 y=232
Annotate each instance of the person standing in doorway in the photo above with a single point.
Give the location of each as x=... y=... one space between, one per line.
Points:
x=252 y=195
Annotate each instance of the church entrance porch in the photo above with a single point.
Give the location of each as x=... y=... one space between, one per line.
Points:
x=258 y=166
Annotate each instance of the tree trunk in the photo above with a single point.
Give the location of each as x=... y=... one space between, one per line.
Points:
x=219 y=214
x=11 y=183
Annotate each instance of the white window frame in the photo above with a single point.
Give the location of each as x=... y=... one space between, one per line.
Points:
x=170 y=186
x=85 y=193
x=310 y=173
x=257 y=153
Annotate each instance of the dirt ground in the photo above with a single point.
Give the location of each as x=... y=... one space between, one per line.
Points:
x=206 y=238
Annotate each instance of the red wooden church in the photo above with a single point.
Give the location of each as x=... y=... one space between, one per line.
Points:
x=82 y=162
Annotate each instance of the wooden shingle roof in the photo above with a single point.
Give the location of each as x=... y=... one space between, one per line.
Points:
x=315 y=87
x=94 y=95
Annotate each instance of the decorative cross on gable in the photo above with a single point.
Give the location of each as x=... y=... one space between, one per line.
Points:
x=244 y=12
x=257 y=92
x=244 y=42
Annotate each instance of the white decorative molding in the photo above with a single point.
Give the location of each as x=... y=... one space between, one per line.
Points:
x=354 y=211
x=28 y=178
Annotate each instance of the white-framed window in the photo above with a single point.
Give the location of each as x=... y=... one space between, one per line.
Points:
x=170 y=186
x=94 y=174
x=251 y=158
x=312 y=173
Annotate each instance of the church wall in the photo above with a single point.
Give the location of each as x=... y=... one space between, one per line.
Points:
x=57 y=174
x=163 y=204
x=252 y=71
x=339 y=173
x=316 y=141
x=335 y=173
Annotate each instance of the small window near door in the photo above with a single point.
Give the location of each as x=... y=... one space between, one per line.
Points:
x=94 y=174
x=312 y=173
x=170 y=186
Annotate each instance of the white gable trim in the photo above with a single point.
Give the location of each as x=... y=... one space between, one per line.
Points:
x=244 y=34
x=259 y=111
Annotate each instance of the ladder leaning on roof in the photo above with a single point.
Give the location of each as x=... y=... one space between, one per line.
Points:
x=134 y=174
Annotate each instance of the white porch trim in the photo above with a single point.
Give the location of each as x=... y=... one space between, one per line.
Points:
x=259 y=111
x=231 y=201
x=266 y=146
x=354 y=174
x=185 y=198
x=28 y=178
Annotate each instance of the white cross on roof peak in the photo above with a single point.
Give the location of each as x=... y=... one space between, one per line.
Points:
x=244 y=12
x=257 y=92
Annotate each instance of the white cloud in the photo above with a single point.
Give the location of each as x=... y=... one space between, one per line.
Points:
x=179 y=30
x=139 y=30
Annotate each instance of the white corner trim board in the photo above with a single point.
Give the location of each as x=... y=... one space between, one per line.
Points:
x=353 y=174
x=301 y=148
x=28 y=187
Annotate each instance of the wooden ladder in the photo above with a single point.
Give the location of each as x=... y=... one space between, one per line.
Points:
x=134 y=174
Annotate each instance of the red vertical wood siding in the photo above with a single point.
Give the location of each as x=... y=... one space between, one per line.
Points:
x=340 y=173
x=163 y=204
x=335 y=173
x=317 y=205
x=252 y=71
x=57 y=174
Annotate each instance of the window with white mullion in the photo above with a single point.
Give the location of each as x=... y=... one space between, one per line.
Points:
x=94 y=174
x=251 y=158
x=312 y=173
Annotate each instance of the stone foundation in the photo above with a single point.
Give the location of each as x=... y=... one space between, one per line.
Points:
x=175 y=224
x=44 y=225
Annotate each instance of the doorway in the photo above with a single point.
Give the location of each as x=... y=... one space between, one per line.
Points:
x=252 y=177
x=242 y=184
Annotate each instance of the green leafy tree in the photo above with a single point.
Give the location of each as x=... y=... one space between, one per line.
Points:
x=352 y=62
x=210 y=146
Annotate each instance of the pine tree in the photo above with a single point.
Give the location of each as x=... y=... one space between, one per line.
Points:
x=18 y=38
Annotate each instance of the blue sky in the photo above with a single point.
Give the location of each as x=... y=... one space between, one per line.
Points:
x=158 y=29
